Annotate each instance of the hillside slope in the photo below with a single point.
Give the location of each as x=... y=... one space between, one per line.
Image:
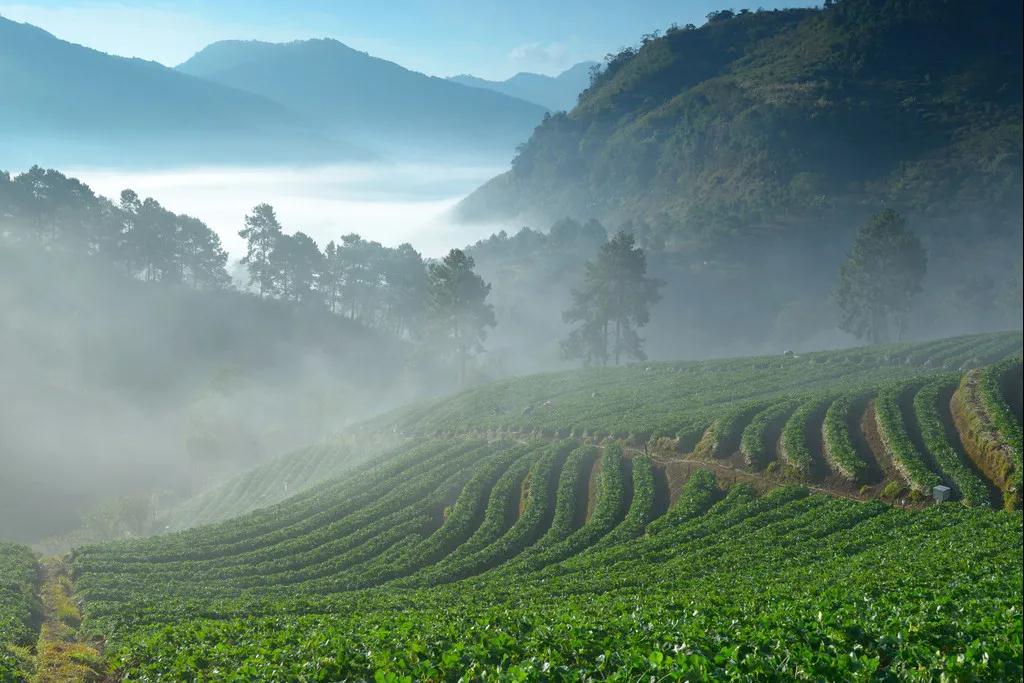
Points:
x=777 y=121
x=64 y=100
x=557 y=93
x=350 y=92
x=125 y=387
x=492 y=545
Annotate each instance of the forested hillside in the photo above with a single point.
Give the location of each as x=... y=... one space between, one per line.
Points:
x=789 y=122
x=744 y=154
x=141 y=374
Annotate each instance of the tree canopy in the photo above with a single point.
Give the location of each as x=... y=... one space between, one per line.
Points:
x=880 y=278
x=612 y=305
x=458 y=303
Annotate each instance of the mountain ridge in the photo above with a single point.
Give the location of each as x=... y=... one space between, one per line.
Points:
x=556 y=93
x=59 y=94
x=347 y=90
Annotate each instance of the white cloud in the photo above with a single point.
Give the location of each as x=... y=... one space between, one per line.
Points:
x=540 y=57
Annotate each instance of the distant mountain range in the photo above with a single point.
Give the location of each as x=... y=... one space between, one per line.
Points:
x=239 y=102
x=347 y=92
x=64 y=102
x=557 y=93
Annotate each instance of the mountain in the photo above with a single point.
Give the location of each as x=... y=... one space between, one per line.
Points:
x=346 y=91
x=759 y=123
x=68 y=103
x=557 y=93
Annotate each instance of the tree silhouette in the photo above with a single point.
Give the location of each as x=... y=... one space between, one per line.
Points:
x=880 y=278
x=262 y=231
x=458 y=303
x=613 y=303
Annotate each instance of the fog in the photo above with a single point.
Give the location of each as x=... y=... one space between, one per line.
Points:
x=390 y=203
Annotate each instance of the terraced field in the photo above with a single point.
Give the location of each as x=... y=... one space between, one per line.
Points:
x=748 y=519
x=270 y=483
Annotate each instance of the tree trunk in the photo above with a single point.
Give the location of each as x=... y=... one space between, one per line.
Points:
x=618 y=340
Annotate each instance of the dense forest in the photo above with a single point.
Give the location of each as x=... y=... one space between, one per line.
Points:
x=774 y=120
x=750 y=149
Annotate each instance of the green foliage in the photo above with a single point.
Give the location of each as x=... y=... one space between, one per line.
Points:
x=613 y=303
x=752 y=441
x=794 y=448
x=641 y=507
x=838 y=446
x=759 y=570
x=789 y=119
x=698 y=494
x=953 y=463
x=457 y=557
x=893 y=432
x=880 y=278
x=20 y=610
x=458 y=304
x=999 y=411
x=19 y=607
x=673 y=398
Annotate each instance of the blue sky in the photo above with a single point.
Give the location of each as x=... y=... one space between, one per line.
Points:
x=488 y=38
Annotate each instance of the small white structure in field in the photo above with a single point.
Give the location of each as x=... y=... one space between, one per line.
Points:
x=941 y=493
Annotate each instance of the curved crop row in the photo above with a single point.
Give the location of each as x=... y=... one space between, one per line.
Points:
x=414 y=499
x=698 y=494
x=723 y=435
x=1002 y=417
x=669 y=606
x=499 y=516
x=571 y=494
x=607 y=513
x=893 y=432
x=837 y=446
x=464 y=518
x=793 y=447
x=537 y=513
x=262 y=528
x=753 y=444
x=641 y=507
x=969 y=486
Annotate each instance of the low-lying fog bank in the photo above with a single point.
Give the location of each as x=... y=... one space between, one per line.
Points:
x=390 y=203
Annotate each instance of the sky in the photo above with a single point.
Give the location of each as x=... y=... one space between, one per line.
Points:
x=487 y=38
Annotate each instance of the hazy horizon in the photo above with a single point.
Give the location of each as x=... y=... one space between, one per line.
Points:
x=391 y=203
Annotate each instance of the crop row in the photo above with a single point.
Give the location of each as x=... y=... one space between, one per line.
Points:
x=894 y=435
x=501 y=513
x=781 y=587
x=302 y=560
x=657 y=400
x=537 y=513
x=754 y=440
x=608 y=511
x=641 y=506
x=794 y=449
x=837 y=444
x=328 y=508
x=18 y=605
x=293 y=517
x=969 y=486
x=1002 y=417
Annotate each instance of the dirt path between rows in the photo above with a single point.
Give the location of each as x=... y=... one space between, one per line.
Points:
x=61 y=656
